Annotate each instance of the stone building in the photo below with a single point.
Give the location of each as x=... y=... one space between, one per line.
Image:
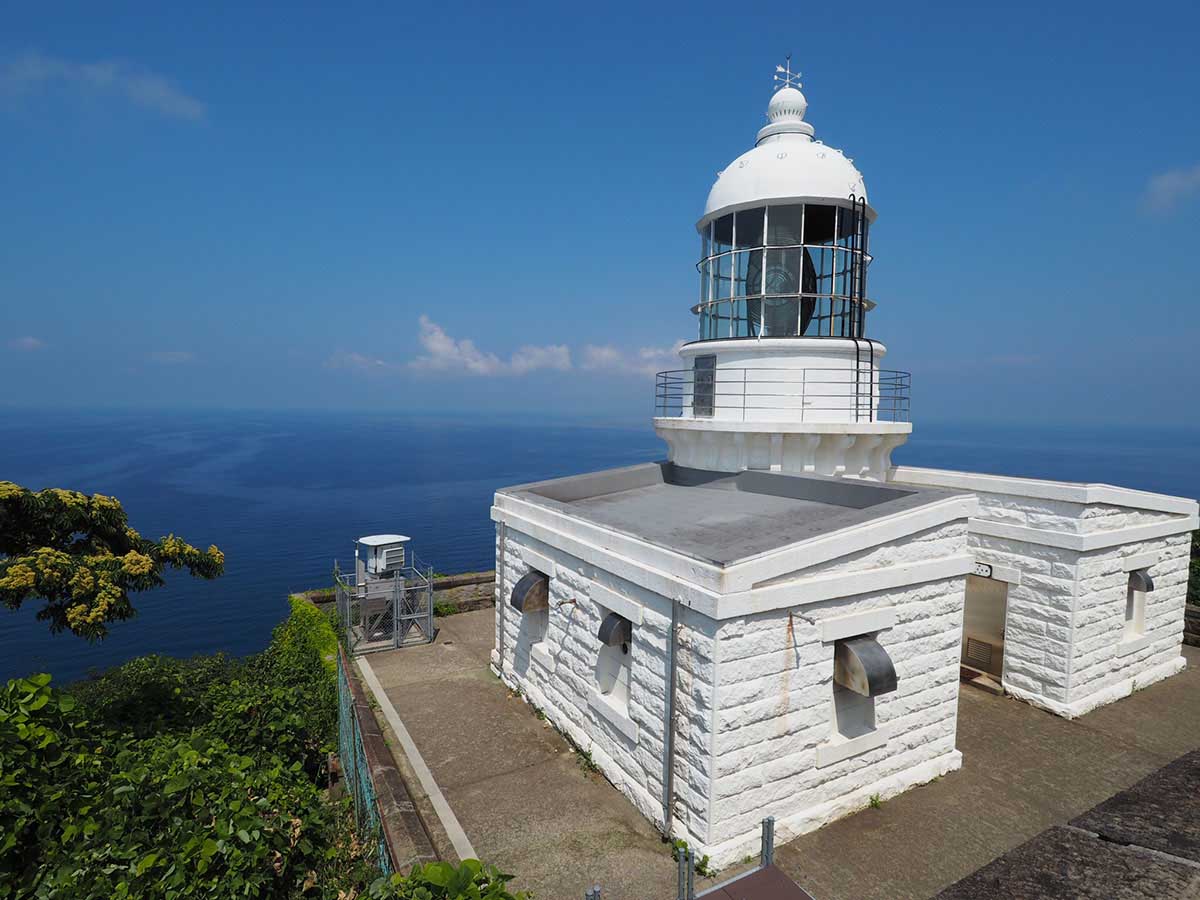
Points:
x=775 y=620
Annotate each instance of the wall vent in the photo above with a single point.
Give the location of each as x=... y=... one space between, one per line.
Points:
x=979 y=653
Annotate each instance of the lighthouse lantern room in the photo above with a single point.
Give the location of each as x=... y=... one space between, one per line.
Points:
x=783 y=375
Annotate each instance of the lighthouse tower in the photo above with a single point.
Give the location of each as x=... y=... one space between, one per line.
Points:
x=783 y=375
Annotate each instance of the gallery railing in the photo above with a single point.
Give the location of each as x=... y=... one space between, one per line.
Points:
x=784 y=395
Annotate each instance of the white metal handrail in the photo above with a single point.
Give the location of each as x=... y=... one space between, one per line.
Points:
x=862 y=395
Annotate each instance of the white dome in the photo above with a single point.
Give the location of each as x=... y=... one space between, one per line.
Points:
x=785 y=164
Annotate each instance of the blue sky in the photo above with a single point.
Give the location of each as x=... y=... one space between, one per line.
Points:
x=313 y=207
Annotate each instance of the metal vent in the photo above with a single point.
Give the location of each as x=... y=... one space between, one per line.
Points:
x=615 y=630
x=394 y=558
x=1140 y=580
x=531 y=593
x=979 y=653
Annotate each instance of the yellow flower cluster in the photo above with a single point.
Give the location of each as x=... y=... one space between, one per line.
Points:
x=18 y=578
x=8 y=490
x=174 y=549
x=82 y=583
x=216 y=554
x=101 y=501
x=53 y=568
x=80 y=615
x=137 y=563
x=67 y=498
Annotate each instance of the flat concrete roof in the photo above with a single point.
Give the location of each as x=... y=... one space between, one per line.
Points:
x=721 y=517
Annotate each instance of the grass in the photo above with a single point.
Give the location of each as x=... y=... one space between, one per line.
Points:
x=875 y=802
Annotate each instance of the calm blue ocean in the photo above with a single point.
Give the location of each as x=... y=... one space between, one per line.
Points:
x=284 y=494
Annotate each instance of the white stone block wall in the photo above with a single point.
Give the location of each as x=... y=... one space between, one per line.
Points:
x=1106 y=664
x=774 y=725
x=559 y=677
x=1064 y=644
x=755 y=724
x=1038 y=626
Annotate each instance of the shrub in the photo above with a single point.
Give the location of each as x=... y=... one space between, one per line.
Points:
x=471 y=880
x=194 y=780
x=181 y=779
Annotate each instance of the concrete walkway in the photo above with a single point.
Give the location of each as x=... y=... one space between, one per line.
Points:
x=519 y=792
x=1023 y=771
x=527 y=805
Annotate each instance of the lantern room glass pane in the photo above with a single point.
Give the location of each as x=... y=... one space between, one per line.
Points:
x=783 y=225
x=705 y=282
x=723 y=234
x=723 y=277
x=818 y=223
x=818 y=270
x=750 y=227
x=706 y=242
x=747 y=273
x=719 y=322
x=741 y=320
x=780 y=316
x=845 y=227
x=843 y=261
x=815 y=317
x=783 y=271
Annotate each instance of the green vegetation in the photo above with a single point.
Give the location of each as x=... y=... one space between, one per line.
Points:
x=680 y=847
x=471 y=880
x=875 y=802
x=443 y=608
x=78 y=554
x=199 y=778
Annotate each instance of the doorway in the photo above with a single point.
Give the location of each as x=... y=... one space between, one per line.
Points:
x=984 y=613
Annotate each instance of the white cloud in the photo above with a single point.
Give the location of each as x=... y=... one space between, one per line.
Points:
x=1167 y=190
x=444 y=353
x=27 y=343
x=35 y=71
x=551 y=356
x=644 y=361
x=172 y=357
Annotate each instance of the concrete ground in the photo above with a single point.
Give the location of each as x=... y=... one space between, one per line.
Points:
x=528 y=806
x=1023 y=771
x=518 y=790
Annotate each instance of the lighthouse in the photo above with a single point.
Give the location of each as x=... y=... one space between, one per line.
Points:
x=776 y=620
x=783 y=374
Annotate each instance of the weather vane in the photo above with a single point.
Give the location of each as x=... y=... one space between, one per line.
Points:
x=785 y=77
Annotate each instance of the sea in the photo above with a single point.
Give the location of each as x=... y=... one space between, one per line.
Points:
x=284 y=495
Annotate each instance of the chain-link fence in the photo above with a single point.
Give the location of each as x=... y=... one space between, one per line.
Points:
x=356 y=772
x=381 y=613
